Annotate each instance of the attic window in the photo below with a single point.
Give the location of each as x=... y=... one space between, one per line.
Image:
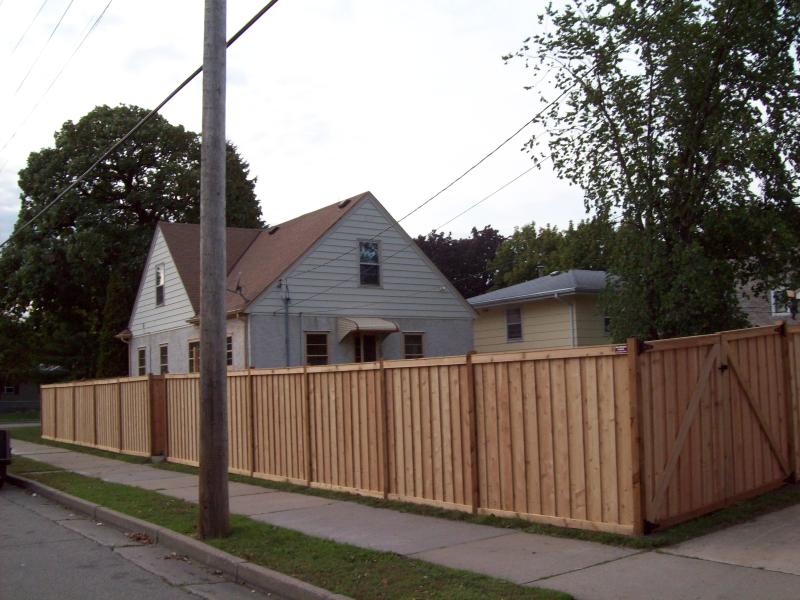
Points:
x=272 y=230
x=159 y=285
x=369 y=263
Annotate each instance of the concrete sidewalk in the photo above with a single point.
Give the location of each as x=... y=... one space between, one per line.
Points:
x=760 y=559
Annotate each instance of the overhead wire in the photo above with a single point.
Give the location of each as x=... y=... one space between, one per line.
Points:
x=135 y=128
x=28 y=28
x=454 y=181
x=407 y=245
x=55 y=79
x=44 y=47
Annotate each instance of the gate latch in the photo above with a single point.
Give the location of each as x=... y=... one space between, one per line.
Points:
x=723 y=367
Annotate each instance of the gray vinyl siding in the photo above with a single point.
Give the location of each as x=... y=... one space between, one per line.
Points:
x=177 y=341
x=441 y=337
x=146 y=316
x=410 y=287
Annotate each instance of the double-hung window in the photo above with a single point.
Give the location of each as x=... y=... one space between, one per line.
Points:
x=194 y=357
x=317 y=348
x=369 y=263
x=163 y=358
x=513 y=324
x=412 y=345
x=141 y=361
x=159 y=285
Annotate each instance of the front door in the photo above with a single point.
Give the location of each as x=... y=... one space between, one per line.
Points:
x=366 y=347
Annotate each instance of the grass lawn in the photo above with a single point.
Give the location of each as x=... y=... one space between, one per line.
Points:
x=738 y=513
x=337 y=567
x=19 y=416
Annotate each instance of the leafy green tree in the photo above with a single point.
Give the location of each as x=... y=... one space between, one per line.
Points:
x=464 y=261
x=682 y=120
x=520 y=257
x=58 y=272
x=588 y=246
x=527 y=252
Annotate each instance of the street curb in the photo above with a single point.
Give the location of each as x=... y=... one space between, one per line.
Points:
x=237 y=568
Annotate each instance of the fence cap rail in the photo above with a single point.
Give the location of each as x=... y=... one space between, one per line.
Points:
x=433 y=361
x=89 y=382
x=712 y=338
x=548 y=354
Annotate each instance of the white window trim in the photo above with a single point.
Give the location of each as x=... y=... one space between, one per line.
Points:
x=161 y=365
x=506 y=322
x=160 y=268
x=327 y=346
x=139 y=363
x=188 y=354
x=379 y=265
x=421 y=334
x=772 y=305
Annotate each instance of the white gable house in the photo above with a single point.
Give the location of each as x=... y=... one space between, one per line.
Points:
x=341 y=284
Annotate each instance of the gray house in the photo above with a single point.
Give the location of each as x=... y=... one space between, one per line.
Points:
x=341 y=284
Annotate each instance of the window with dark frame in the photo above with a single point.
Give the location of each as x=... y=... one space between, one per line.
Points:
x=316 y=348
x=194 y=357
x=159 y=285
x=369 y=263
x=163 y=358
x=229 y=350
x=513 y=324
x=142 y=361
x=10 y=390
x=412 y=345
x=606 y=325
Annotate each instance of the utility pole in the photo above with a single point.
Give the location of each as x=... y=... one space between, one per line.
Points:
x=213 y=519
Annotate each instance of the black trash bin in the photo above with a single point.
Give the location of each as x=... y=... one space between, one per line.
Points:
x=5 y=454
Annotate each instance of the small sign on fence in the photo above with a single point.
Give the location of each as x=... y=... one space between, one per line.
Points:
x=621 y=349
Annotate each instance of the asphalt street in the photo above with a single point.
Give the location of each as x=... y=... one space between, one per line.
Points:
x=49 y=553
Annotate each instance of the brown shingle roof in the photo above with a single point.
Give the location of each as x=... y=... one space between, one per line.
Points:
x=254 y=257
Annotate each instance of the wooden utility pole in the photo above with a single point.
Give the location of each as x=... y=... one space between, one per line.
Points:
x=213 y=519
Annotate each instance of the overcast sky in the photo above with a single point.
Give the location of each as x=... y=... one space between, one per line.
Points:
x=326 y=98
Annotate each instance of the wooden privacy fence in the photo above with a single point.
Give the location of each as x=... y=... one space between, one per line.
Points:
x=719 y=419
x=121 y=415
x=611 y=438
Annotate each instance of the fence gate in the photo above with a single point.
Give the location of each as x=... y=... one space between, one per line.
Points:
x=715 y=421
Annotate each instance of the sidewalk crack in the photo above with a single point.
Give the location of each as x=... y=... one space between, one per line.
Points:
x=578 y=570
x=491 y=537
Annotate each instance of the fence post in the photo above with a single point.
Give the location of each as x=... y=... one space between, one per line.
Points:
x=637 y=456
x=472 y=413
x=94 y=414
x=308 y=456
x=791 y=401
x=119 y=413
x=54 y=434
x=74 y=415
x=156 y=390
x=252 y=431
x=727 y=419
x=385 y=422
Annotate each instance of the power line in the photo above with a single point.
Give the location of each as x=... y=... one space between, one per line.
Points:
x=136 y=127
x=485 y=198
x=408 y=245
x=28 y=28
x=44 y=47
x=54 y=80
x=457 y=179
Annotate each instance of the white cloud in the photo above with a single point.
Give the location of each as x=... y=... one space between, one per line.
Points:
x=326 y=98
